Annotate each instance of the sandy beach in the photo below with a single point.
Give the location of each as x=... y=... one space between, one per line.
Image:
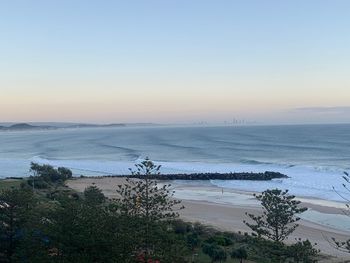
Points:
x=225 y=209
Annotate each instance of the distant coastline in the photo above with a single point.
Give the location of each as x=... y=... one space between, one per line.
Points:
x=54 y=126
x=24 y=126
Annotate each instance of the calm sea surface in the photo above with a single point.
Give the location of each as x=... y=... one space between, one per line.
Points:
x=313 y=156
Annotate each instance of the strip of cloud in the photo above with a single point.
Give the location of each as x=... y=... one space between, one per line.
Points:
x=324 y=110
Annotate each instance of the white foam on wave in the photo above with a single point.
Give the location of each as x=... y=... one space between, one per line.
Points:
x=302 y=181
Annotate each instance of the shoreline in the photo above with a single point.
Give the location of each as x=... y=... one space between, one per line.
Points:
x=226 y=210
x=303 y=180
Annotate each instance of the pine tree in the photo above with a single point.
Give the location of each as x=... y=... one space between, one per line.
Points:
x=278 y=219
x=142 y=199
x=15 y=206
x=345 y=195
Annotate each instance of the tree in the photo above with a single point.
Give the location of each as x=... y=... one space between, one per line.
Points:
x=303 y=251
x=278 y=219
x=80 y=231
x=142 y=199
x=220 y=240
x=64 y=173
x=193 y=242
x=344 y=245
x=45 y=174
x=15 y=205
x=93 y=195
x=240 y=253
x=215 y=252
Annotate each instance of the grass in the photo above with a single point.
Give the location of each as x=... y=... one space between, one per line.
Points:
x=201 y=257
x=10 y=183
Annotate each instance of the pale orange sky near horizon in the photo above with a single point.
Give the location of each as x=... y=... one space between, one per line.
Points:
x=180 y=62
x=181 y=100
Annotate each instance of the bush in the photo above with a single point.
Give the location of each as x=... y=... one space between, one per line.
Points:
x=65 y=173
x=240 y=253
x=303 y=251
x=192 y=241
x=220 y=240
x=180 y=227
x=49 y=174
x=215 y=252
x=38 y=183
x=94 y=195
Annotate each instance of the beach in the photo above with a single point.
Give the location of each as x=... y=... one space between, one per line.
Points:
x=224 y=209
x=224 y=100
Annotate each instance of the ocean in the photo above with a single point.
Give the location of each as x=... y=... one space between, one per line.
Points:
x=313 y=156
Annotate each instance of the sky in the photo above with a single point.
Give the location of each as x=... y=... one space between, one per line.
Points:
x=175 y=61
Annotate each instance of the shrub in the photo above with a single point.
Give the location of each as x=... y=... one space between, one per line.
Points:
x=215 y=252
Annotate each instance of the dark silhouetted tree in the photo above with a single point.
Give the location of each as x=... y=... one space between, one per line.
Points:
x=345 y=195
x=303 y=251
x=278 y=219
x=240 y=253
x=215 y=252
x=142 y=198
x=93 y=195
x=48 y=174
x=15 y=206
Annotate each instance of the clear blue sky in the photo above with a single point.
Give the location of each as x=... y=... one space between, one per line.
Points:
x=175 y=61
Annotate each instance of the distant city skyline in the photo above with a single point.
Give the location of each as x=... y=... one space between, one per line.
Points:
x=267 y=62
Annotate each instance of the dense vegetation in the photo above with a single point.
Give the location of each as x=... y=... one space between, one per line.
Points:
x=46 y=176
x=56 y=224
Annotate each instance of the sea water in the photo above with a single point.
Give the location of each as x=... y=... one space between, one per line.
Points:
x=313 y=156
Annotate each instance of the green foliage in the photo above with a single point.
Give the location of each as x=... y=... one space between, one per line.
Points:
x=94 y=196
x=145 y=199
x=240 y=253
x=59 y=225
x=44 y=175
x=64 y=173
x=220 y=240
x=215 y=252
x=80 y=230
x=71 y=229
x=193 y=240
x=279 y=219
x=38 y=183
x=142 y=199
x=303 y=251
x=15 y=205
x=180 y=227
x=10 y=183
x=265 y=249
